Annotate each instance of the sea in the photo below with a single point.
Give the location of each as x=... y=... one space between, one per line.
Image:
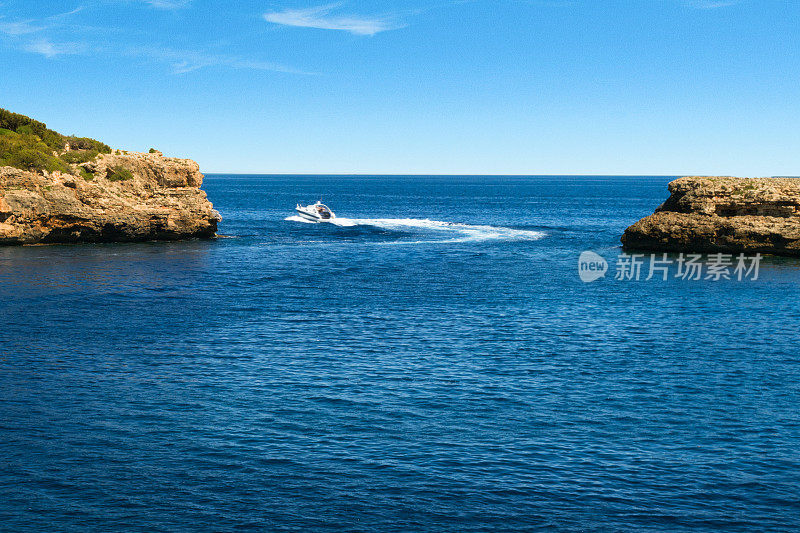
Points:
x=437 y=359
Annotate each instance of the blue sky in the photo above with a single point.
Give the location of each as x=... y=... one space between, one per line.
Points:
x=403 y=86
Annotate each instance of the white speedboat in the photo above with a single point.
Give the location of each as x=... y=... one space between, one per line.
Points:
x=318 y=212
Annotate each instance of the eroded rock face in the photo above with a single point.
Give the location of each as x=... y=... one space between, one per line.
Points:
x=723 y=214
x=158 y=198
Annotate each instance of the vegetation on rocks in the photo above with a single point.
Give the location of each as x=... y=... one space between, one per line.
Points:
x=79 y=156
x=66 y=189
x=28 y=144
x=86 y=174
x=118 y=173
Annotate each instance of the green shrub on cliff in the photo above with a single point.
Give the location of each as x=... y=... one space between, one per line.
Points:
x=79 y=156
x=28 y=144
x=85 y=143
x=28 y=152
x=118 y=173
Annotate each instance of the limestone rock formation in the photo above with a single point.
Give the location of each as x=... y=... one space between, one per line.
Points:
x=117 y=197
x=723 y=214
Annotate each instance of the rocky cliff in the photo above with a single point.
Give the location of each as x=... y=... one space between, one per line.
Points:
x=723 y=214
x=118 y=197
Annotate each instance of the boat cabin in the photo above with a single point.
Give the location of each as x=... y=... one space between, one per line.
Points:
x=323 y=211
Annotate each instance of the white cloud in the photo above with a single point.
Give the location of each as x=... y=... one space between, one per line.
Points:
x=41 y=37
x=22 y=27
x=26 y=27
x=712 y=4
x=167 y=4
x=184 y=61
x=21 y=35
x=50 y=49
x=322 y=18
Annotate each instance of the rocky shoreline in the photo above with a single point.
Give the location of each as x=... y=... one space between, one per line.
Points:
x=723 y=214
x=116 y=197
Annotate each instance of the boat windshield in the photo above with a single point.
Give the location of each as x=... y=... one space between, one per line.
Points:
x=323 y=210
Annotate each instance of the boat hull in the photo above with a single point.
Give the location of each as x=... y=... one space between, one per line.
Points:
x=309 y=216
x=315 y=213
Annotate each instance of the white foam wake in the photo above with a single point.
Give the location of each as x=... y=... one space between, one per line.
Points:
x=455 y=232
x=298 y=218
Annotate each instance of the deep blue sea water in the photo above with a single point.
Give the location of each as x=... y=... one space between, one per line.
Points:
x=396 y=373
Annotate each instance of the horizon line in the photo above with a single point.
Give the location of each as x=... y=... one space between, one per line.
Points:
x=365 y=174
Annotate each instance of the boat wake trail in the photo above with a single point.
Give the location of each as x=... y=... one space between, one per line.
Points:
x=296 y=218
x=443 y=231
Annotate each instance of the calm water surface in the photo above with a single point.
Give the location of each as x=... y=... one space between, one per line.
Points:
x=433 y=363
